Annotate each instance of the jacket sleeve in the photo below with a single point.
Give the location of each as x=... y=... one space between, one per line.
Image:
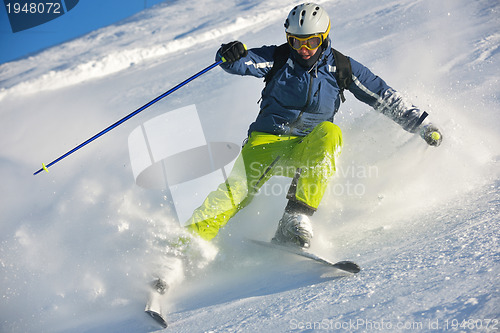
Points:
x=372 y=90
x=257 y=63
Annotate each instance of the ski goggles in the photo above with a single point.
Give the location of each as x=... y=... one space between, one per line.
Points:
x=309 y=42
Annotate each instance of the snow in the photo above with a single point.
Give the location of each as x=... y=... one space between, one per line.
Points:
x=79 y=244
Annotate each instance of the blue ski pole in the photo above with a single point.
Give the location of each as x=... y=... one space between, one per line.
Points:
x=130 y=115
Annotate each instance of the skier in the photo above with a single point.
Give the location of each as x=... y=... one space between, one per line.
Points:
x=294 y=134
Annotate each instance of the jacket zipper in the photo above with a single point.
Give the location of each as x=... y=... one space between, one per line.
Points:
x=309 y=94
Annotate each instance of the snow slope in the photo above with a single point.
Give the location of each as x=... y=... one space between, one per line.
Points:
x=78 y=245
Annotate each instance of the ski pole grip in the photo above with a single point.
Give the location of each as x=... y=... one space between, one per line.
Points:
x=224 y=59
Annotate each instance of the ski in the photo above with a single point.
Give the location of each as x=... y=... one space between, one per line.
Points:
x=153 y=305
x=345 y=265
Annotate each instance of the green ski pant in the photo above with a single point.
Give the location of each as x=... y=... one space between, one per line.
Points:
x=309 y=160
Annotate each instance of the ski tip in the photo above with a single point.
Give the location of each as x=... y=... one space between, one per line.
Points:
x=348 y=266
x=158 y=318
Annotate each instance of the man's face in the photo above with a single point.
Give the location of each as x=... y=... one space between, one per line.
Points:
x=305 y=53
x=307 y=46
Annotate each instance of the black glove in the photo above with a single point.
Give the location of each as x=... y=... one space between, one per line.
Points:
x=431 y=134
x=232 y=51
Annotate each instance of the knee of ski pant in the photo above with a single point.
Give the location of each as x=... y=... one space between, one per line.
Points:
x=328 y=132
x=325 y=139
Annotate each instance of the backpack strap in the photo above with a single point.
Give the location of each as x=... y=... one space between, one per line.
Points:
x=343 y=72
x=280 y=57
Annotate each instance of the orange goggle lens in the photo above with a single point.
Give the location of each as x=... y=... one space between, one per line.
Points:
x=310 y=43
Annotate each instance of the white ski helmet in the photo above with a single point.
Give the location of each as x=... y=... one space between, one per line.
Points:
x=308 y=19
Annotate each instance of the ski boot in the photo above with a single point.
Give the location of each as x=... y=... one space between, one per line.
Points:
x=294 y=228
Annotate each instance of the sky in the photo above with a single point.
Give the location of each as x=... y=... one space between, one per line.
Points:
x=86 y=16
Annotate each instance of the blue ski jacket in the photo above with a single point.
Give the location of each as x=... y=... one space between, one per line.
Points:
x=297 y=99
